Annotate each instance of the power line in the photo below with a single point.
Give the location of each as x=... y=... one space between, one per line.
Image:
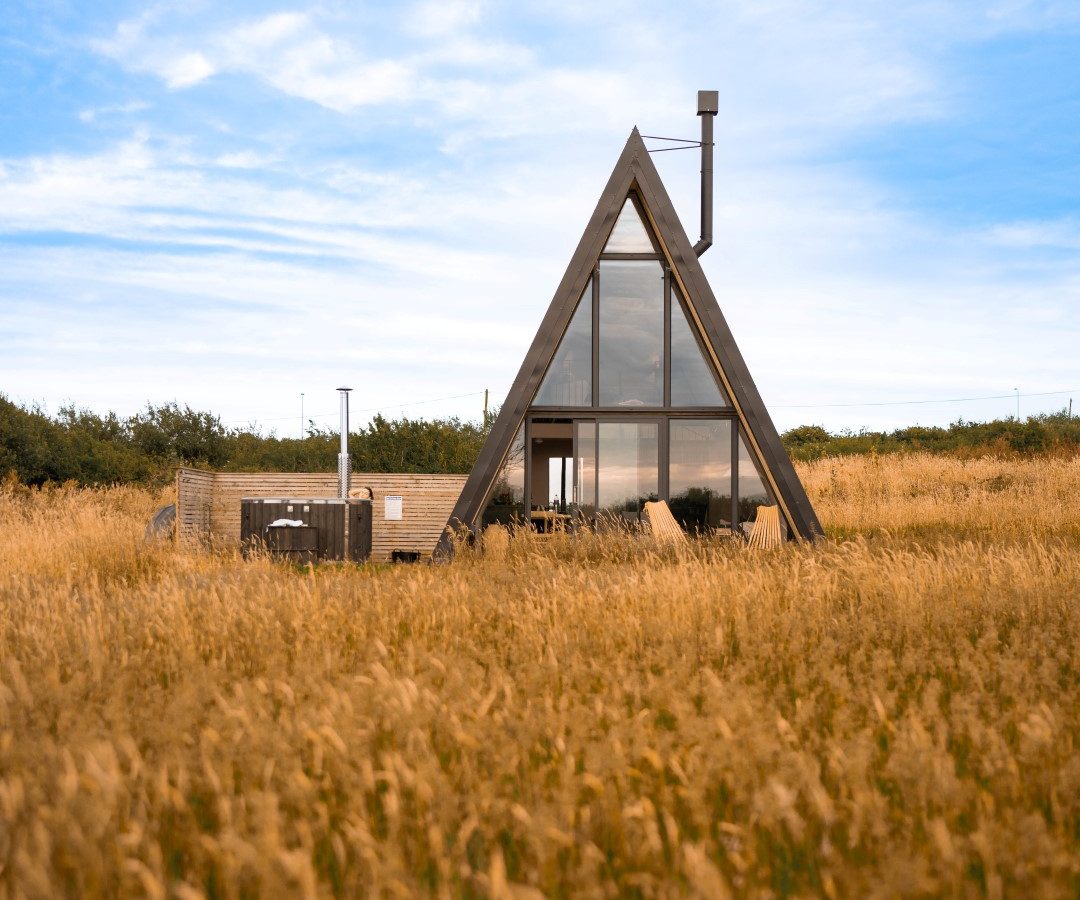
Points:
x=329 y=415
x=411 y=403
x=420 y=402
x=1010 y=396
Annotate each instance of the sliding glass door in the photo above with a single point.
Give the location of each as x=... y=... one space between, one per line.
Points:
x=628 y=474
x=701 y=466
x=700 y=473
x=617 y=468
x=585 y=470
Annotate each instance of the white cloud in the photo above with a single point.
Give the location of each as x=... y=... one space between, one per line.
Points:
x=288 y=52
x=282 y=49
x=186 y=70
x=798 y=254
x=266 y=33
x=439 y=18
x=424 y=273
x=1060 y=234
x=244 y=159
x=93 y=114
x=499 y=87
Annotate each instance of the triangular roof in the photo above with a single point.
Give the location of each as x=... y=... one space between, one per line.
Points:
x=635 y=172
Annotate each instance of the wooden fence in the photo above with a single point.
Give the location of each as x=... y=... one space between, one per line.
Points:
x=194 y=492
x=208 y=504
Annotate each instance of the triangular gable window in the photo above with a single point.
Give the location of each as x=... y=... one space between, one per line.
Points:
x=568 y=381
x=693 y=382
x=629 y=234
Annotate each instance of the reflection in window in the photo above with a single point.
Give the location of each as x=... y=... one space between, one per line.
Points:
x=628 y=470
x=692 y=380
x=753 y=491
x=585 y=469
x=507 y=502
x=568 y=381
x=631 y=333
x=699 y=473
x=629 y=234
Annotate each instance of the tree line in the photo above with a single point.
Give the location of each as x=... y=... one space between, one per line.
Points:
x=1040 y=434
x=146 y=448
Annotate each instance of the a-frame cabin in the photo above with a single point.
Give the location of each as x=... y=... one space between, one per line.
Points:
x=634 y=389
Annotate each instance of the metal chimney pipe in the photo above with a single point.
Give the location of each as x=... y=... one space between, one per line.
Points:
x=344 y=466
x=708 y=104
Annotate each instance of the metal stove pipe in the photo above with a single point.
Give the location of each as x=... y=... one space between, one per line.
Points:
x=708 y=103
x=344 y=466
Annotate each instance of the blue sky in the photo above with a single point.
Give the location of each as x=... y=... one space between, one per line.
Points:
x=231 y=204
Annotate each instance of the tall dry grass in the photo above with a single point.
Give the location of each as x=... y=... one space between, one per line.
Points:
x=920 y=494
x=893 y=712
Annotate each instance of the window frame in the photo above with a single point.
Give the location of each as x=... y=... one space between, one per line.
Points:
x=662 y=419
x=663 y=415
x=670 y=300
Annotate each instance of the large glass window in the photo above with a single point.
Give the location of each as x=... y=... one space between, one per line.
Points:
x=631 y=333
x=753 y=491
x=629 y=338
x=585 y=469
x=568 y=381
x=551 y=471
x=614 y=354
x=693 y=382
x=629 y=234
x=507 y=502
x=628 y=472
x=700 y=472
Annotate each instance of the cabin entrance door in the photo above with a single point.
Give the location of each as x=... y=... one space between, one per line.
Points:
x=551 y=474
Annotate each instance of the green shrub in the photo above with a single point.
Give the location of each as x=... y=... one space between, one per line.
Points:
x=81 y=446
x=1046 y=433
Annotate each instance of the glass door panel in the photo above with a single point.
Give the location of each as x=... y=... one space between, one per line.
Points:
x=585 y=469
x=628 y=468
x=507 y=501
x=551 y=444
x=700 y=473
x=753 y=490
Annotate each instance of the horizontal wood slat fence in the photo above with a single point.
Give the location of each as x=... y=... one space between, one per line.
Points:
x=208 y=504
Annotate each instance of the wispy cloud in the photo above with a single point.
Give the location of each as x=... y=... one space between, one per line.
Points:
x=403 y=187
x=283 y=49
x=440 y=18
x=1061 y=234
x=120 y=110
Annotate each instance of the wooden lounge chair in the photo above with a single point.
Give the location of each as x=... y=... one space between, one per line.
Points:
x=662 y=523
x=766 y=532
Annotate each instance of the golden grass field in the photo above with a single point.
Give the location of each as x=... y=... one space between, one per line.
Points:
x=893 y=712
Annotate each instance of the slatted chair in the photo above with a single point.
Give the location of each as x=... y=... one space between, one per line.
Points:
x=766 y=532
x=662 y=523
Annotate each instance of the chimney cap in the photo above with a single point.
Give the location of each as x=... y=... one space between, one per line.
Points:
x=708 y=103
x=344 y=389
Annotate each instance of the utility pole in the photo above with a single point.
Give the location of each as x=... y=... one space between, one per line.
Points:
x=485 y=406
x=1017 y=403
x=1070 y=407
x=301 y=415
